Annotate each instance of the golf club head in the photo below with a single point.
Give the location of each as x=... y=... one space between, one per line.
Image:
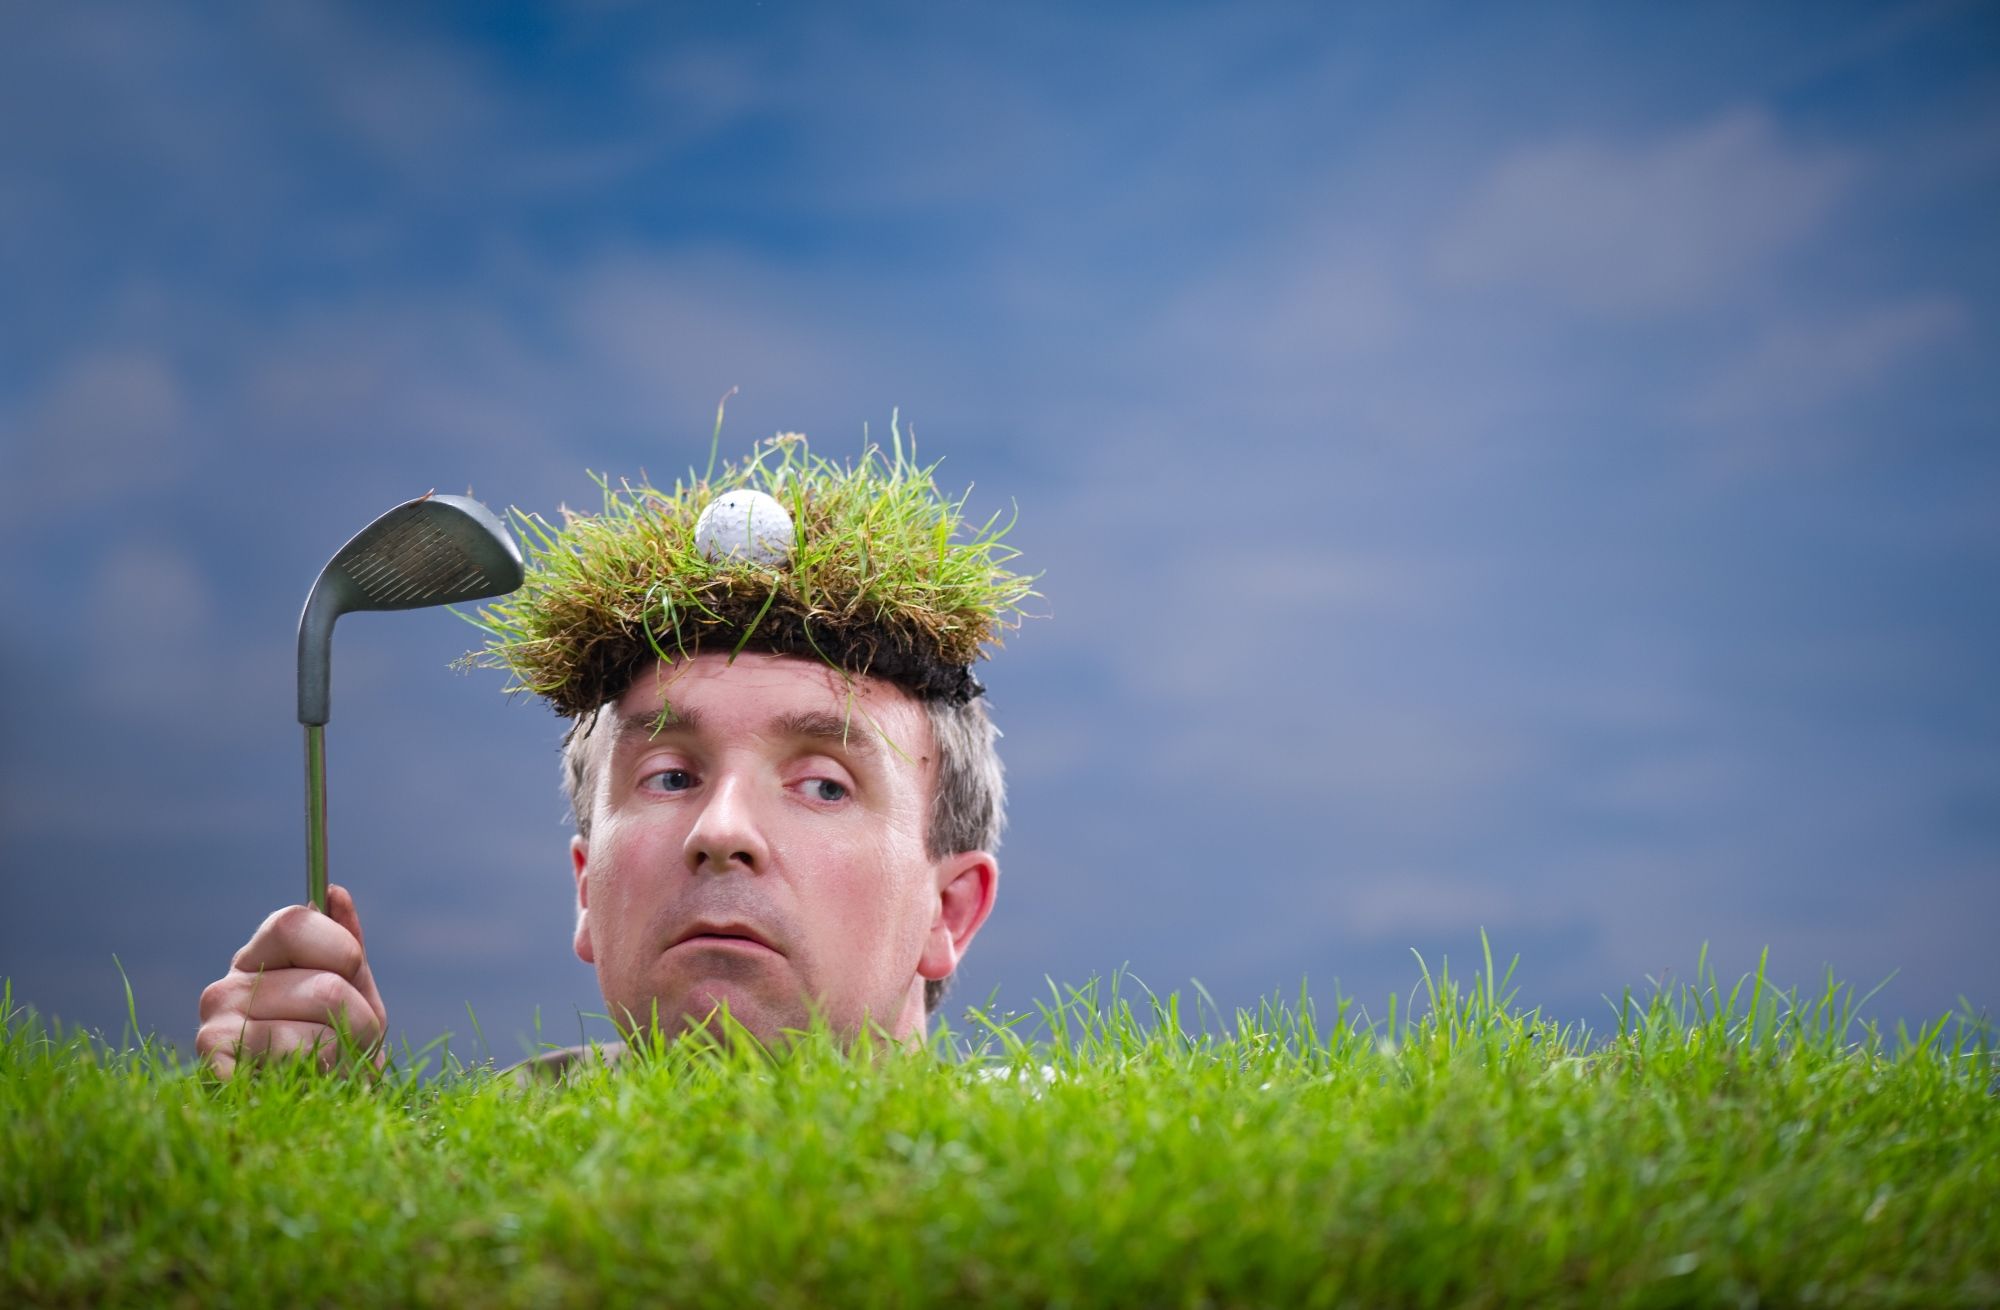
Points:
x=436 y=550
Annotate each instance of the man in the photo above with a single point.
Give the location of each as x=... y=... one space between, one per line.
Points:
x=781 y=806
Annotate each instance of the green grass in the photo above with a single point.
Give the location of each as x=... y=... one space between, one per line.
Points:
x=885 y=575
x=1738 y=1146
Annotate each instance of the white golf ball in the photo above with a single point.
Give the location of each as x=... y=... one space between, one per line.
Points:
x=744 y=524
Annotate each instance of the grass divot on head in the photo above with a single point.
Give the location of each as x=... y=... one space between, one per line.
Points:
x=884 y=577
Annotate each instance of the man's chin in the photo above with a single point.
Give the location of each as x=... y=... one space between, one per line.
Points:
x=702 y=1006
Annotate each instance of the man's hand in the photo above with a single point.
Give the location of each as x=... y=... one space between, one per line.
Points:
x=301 y=974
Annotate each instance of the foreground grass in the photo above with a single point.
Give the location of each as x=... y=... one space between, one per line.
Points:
x=1748 y=1147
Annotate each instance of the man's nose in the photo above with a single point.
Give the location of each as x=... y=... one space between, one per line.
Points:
x=727 y=835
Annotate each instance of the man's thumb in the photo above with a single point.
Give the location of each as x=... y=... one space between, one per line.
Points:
x=340 y=908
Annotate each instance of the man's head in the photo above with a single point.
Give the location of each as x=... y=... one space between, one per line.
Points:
x=834 y=790
x=844 y=821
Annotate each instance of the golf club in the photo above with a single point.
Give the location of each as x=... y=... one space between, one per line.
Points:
x=435 y=550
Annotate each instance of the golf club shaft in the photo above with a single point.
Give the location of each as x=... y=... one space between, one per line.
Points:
x=316 y=815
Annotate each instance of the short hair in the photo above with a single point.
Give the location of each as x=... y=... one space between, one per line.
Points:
x=968 y=807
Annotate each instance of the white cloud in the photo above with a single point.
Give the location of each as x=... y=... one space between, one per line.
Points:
x=417 y=104
x=1800 y=367
x=650 y=323
x=704 y=88
x=85 y=89
x=1635 y=232
x=157 y=651
x=147 y=594
x=665 y=334
x=441 y=373
x=1319 y=295
x=111 y=423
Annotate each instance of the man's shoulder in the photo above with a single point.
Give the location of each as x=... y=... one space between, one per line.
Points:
x=554 y=1066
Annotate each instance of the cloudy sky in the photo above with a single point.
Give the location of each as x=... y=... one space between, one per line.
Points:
x=1531 y=470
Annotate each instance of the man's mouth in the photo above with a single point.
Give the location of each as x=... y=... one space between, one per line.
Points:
x=739 y=936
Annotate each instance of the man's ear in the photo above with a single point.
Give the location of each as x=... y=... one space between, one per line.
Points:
x=968 y=882
x=579 y=856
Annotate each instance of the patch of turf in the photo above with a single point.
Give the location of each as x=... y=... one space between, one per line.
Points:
x=885 y=577
x=1753 y=1147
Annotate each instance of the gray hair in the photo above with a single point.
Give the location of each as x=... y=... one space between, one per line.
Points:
x=968 y=808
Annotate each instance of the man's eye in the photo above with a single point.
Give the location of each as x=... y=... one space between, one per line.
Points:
x=826 y=789
x=672 y=779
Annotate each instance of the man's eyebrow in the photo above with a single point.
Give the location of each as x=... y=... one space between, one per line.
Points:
x=813 y=725
x=817 y=725
x=648 y=726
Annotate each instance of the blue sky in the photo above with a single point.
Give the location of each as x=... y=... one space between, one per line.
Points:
x=1531 y=470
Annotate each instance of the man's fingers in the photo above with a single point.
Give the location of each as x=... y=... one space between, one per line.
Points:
x=215 y=997
x=308 y=995
x=300 y=937
x=311 y=995
x=301 y=977
x=224 y=1045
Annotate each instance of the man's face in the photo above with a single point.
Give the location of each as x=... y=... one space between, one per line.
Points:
x=771 y=804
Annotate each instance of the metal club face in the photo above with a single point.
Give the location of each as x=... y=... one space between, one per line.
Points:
x=438 y=550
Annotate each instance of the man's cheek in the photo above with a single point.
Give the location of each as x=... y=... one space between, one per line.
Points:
x=611 y=914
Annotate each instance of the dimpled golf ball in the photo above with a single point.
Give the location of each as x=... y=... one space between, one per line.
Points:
x=744 y=524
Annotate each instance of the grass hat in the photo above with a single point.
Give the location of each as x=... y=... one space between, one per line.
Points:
x=882 y=577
